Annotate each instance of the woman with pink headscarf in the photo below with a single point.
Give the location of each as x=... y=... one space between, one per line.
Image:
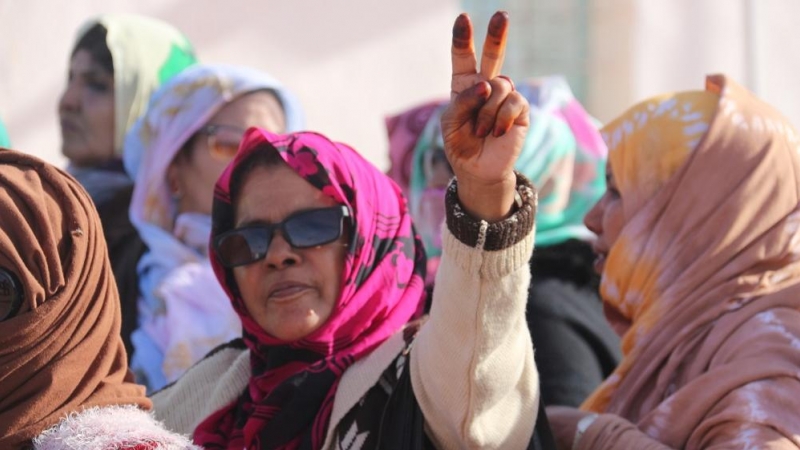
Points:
x=315 y=248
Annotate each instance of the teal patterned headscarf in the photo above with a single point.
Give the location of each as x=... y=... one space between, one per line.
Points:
x=4 y=140
x=563 y=155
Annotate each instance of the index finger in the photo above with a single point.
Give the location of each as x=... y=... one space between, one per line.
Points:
x=463 y=50
x=494 y=47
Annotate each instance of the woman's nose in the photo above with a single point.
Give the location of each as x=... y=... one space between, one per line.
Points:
x=70 y=98
x=280 y=253
x=594 y=218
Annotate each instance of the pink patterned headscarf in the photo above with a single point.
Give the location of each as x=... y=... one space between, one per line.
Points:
x=290 y=394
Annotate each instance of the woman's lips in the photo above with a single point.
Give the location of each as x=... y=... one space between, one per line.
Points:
x=286 y=292
x=69 y=127
x=600 y=259
x=599 y=263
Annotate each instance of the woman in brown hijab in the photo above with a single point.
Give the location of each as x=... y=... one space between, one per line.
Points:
x=64 y=380
x=698 y=242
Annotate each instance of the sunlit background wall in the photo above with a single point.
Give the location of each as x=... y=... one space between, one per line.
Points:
x=352 y=62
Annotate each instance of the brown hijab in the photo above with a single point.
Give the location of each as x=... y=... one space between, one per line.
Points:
x=62 y=351
x=707 y=272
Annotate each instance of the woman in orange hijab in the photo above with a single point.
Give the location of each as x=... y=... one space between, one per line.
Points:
x=699 y=248
x=64 y=378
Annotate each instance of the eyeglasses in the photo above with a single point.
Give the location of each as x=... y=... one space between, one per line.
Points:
x=303 y=229
x=223 y=140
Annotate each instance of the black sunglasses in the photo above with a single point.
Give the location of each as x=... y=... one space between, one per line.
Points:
x=302 y=229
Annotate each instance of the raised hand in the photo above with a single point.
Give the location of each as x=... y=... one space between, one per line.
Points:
x=485 y=124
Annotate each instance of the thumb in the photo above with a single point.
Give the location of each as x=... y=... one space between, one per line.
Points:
x=464 y=107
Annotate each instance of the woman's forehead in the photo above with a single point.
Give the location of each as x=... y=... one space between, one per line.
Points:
x=83 y=63
x=272 y=193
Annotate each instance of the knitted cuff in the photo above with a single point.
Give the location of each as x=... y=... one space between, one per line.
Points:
x=483 y=235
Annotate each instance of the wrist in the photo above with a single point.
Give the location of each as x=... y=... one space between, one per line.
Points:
x=478 y=233
x=491 y=202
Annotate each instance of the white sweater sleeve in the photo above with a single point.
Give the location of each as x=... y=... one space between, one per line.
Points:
x=472 y=364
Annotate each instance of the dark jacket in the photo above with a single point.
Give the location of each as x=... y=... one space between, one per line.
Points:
x=575 y=349
x=125 y=247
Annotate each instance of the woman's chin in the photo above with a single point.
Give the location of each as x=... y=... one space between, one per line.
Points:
x=295 y=325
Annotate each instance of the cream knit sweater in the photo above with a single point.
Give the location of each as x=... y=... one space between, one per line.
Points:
x=472 y=366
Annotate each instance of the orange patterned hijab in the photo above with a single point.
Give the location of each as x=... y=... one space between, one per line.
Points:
x=710 y=191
